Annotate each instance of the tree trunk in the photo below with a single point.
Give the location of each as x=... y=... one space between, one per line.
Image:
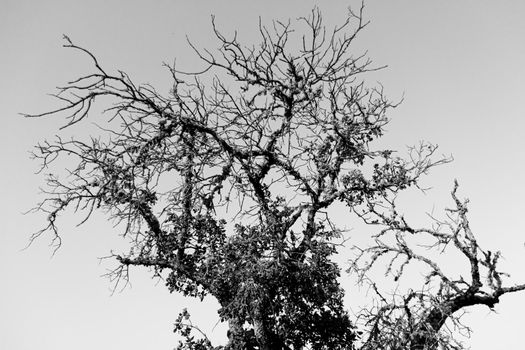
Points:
x=262 y=335
x=235 y=334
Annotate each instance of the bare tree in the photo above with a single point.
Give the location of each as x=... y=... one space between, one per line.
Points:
x=416 y=319
x=224 y=187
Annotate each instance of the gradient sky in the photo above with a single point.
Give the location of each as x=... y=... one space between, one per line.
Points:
x=458 y=64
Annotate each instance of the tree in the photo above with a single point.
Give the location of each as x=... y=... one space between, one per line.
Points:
x=224 y=187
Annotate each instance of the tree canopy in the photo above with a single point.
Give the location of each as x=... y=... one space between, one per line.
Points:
x=224 y=187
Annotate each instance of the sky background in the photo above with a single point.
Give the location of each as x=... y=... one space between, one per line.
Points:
x=458 y=64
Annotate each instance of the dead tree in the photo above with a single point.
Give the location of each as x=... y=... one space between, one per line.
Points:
x=224 y=185
x=416 y=318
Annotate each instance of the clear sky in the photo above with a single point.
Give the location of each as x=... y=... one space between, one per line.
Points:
x=459 y=65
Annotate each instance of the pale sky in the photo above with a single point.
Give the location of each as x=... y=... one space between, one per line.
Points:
x=458 y=64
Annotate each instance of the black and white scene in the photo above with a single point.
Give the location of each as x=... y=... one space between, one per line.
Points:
x=262 y=175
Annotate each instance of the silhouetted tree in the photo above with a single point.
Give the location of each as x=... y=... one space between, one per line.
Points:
x=224 y=187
